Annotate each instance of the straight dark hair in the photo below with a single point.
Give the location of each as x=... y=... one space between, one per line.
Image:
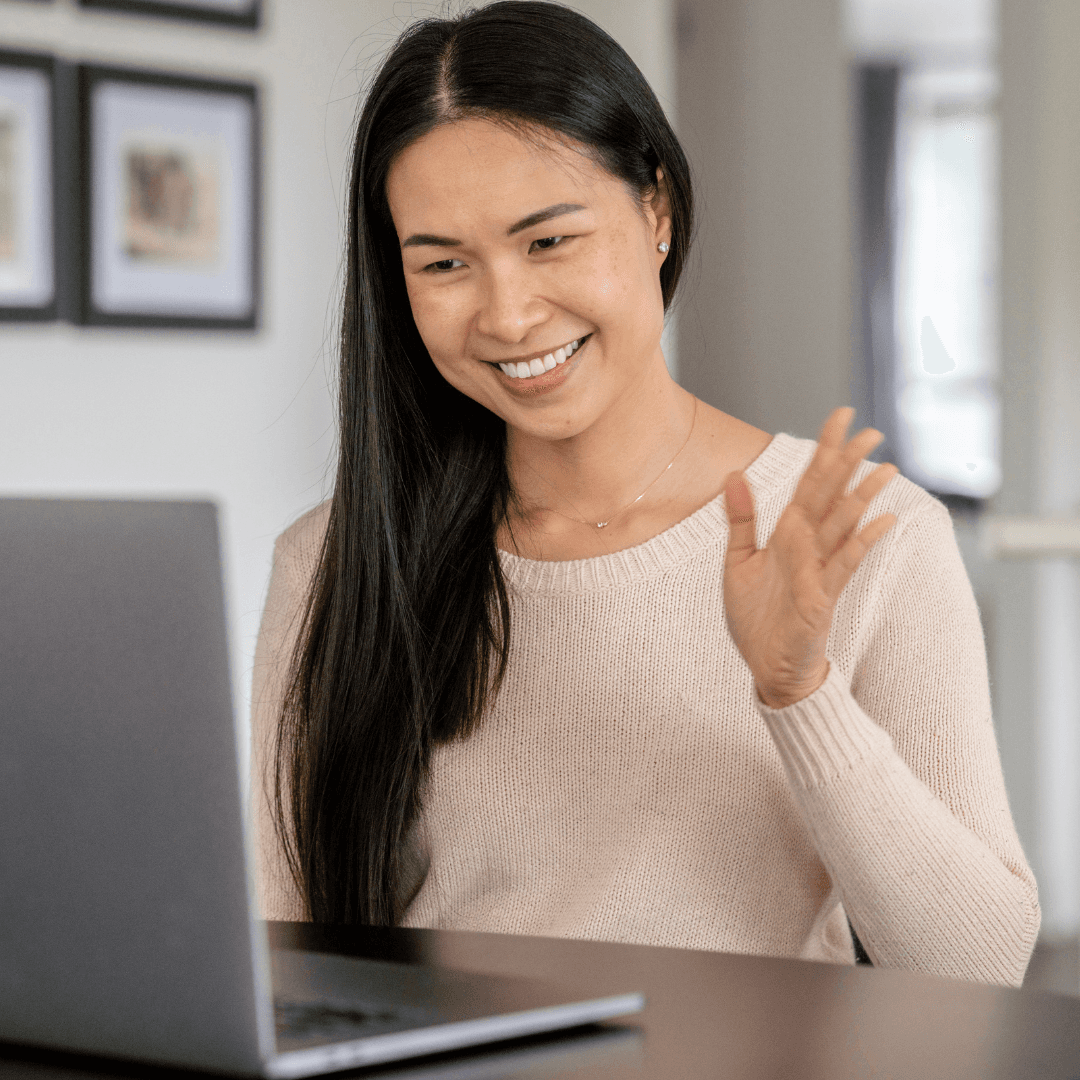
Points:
x=406 y=631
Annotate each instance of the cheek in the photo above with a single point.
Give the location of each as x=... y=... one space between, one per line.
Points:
x=615 y=282
x=441 y=319
x=438 y=319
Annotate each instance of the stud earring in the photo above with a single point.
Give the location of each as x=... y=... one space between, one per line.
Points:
x=662 y=247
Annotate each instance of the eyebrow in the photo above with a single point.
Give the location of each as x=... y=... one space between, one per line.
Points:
x=549 y=212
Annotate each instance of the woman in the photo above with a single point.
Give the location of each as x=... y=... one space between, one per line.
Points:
x=569 y=652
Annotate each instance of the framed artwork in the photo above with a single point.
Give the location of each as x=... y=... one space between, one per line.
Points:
x=243 y=13
x=27 y=187
x=169 y=200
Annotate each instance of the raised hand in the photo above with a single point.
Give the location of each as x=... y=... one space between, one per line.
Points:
x=779 y=601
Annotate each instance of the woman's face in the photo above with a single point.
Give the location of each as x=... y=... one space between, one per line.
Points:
x=513 y=250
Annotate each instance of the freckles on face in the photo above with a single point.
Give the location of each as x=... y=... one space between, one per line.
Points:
x=513 y=248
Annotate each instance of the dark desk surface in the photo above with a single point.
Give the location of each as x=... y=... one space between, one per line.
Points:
x=709 y=1015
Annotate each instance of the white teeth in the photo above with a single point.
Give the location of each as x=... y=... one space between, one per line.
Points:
x=528 y=369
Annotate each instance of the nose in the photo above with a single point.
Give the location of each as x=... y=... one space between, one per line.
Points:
x=509 y=306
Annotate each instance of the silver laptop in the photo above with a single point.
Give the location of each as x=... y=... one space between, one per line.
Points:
x=128 y=923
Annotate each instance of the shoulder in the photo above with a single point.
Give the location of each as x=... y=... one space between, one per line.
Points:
x=297 y=549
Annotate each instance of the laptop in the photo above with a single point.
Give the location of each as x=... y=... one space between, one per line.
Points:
x=128 y=918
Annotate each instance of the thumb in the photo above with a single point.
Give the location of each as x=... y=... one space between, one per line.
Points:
x=739 y=503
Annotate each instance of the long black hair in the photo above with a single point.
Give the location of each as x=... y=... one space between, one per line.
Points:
x=407 y=627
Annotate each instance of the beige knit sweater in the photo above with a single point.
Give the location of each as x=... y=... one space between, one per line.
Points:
x=628 y=784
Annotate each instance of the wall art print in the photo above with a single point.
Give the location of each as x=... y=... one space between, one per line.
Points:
x=27 y=187
x=170 y=200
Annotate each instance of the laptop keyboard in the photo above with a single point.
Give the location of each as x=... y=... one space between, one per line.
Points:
x=303 y=1020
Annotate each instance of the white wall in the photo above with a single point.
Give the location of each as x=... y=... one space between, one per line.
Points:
x=244 y=418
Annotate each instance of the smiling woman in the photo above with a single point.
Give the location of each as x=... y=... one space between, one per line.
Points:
x=558 y=335
x=736 y=711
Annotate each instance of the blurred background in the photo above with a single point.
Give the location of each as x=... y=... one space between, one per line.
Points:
x=889 y=218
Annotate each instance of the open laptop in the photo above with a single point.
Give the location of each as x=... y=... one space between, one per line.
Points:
x=128 y=921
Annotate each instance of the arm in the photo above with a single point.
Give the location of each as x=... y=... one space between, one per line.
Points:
x=900 y=783
x=278 y=895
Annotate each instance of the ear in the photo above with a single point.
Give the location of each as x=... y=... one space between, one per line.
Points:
x=658 y=209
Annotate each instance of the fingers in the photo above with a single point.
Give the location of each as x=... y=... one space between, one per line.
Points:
x=845 y=515
x=845 y=562
x=821 y=493
x=739 y=503
x=834 y=463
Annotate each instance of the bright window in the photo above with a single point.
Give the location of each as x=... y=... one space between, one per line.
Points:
x=948 y=437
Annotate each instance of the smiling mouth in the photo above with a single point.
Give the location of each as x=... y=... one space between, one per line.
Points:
x=530 y=369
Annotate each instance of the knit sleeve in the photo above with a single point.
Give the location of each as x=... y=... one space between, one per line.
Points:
x=896 y=774
x=295 y=555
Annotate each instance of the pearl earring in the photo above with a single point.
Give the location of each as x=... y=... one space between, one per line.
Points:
x=662 y=247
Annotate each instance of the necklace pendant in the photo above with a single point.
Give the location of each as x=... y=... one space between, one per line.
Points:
x=601 y=524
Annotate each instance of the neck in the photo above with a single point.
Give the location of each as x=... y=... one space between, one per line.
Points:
x=594 y=474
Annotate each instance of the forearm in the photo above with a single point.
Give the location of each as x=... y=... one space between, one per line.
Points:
x=279 y=897
x=923 y=891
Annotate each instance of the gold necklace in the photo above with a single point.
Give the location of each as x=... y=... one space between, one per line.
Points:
x=621 y=510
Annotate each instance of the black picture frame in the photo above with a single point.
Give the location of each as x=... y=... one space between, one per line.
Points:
x=244 y=14
x=30 y=218
x=170 y=200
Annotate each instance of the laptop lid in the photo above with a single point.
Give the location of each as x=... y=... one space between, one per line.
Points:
x=125 y=907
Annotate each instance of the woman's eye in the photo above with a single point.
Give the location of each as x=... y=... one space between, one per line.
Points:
x=547 y=243
x=443 y=265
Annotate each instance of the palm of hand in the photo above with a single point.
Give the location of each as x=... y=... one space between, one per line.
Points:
x=779 y=600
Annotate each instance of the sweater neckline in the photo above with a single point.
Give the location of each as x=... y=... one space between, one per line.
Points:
x=765 y=474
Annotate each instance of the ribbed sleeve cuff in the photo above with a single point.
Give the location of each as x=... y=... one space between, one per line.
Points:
x=825 y=734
